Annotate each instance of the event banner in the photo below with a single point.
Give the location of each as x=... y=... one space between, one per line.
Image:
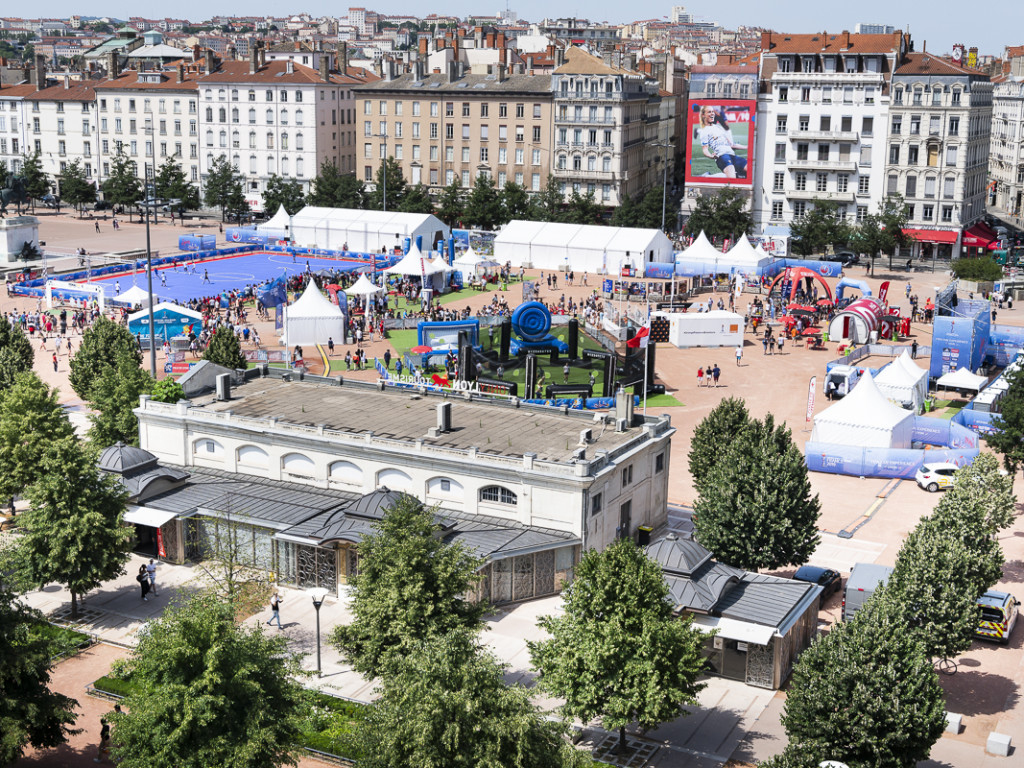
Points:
x=721 y=140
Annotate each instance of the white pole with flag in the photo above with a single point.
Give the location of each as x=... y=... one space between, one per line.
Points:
x=811 y=389
x=640 y=342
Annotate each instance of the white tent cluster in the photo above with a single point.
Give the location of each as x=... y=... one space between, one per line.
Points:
x=363 y=231
x=703 y=258
x=865 y=419
x=312 y=319
x=580 y=247
x=904 y=382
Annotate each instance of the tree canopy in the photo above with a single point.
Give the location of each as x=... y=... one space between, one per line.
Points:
x=518 y=204
x=103 y=345
x=34 y=177
x=821 y=228
x=714 y=436
x=882 y=232
x=122 y=186
x=114 y=399
x=720 y=215
x=334 y=189
x=484 y=208
x=409 y=587
x=1007 y=438
x=617 y=637
x=75 y=187
x=286 y=192
x=225 y=350
x=16 y=354
x=224 y=188
x=582 y=209
x=417 y=200
x=171 y=183
x=393 y=190
x=452 y=204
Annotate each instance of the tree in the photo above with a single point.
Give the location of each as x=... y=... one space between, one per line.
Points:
x=225 y=350
x=224 y=188
x=171 y=183
x=167 y=390
x=286 y=192
x=550 y=202
x=122 y=187
x=445 y=703
x=30 y=713
x=34 y=177
x=882 y=232
x=722 y=214
x=650 y=208
x=819 y=229
x=75 y=187
x=866 y=693
x=73 y=532
x=582 y=209
x=1008 y=437
x=981 y=269
x=627 y=214
x=417 y=200
x=103 y=345
x=516 y=202
x=31 y=418
x=393 y=190
x=714 y=436
x=114 y=399
x=483 y=204
x=16 y=354
x=410 y=587
x=755 y=509
x=206 y=691
x=333 y=189
x=618 y=651
x=452 y=205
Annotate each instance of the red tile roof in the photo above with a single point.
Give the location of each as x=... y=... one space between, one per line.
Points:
x=77 y=90
x=129 y=81
x=930 y=64
x=16 y=91
x=830 y=43
x=275 y=72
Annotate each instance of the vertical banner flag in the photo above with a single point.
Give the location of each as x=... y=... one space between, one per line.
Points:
x=810 y=397
x=883 y=290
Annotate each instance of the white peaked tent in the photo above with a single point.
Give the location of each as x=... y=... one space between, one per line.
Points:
x=902 y=381
x=467 y=263
x=278 y=224
x=363 y=287
x=745 y=258
x=136 y=295
x=312 y=319
x=701 y=258
x=961 y=379
x=865 y=419
x=413 y=264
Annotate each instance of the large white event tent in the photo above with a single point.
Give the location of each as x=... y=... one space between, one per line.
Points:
x=278 y=226
x=865 y=419
x=745 y=258
x=416 y=264
x=312 y=319
x=904 y=382
x=961 y=378
x=136 y=295
x=701 y=258
x=364 y=231
x=580 y=247
x=363 y=287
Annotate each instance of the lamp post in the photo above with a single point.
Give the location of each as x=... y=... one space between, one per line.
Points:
x=664 y=178
x=149 y=288
x=384 y=175
x=318 y=594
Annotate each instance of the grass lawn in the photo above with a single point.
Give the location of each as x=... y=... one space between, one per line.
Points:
x=662 y=401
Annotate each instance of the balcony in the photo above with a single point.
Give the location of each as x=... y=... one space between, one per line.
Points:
x=588 y=96
x=826 y=165
x=828 y=78
x=586 y=120
x=798 y=135
x=580 y=173
x=813 y=195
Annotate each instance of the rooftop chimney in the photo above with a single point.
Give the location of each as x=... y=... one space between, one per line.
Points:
x=254 y=58
x=232 y=52
x=343 y=59
x=209 y=61
x=424 y=42
x=263 y=56
x=501 y=72
x=181 y=73
x=40 y=71
x=450 y=71
x=325 y=67
x=289 y=66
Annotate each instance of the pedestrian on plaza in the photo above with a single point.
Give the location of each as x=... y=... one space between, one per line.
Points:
x=739 y=356
x=715 y=373
x=330 y=346
x=151 y=573
x=913 y=350
x=700 y=377
x=97 y=226
x=387 y=359
x=143 y=578
x=348 y=360
x=103 y=751
x=275 y=610
x=764 y=341
x=782 y=338
x=565 y=374
x=54 y=362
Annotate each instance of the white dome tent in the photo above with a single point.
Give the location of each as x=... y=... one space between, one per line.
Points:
x=864 y=419
x=902 y=381
x=136 y=295
x=312 y=319
x=701 y=258
x=744 y=258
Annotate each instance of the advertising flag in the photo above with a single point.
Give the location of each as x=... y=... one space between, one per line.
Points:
x=811 y=387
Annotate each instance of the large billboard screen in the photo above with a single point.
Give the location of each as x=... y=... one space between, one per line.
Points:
x=721 y=142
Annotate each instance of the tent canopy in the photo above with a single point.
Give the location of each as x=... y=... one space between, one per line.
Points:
x=579 y=247
x=413 y=264
x=279 y=222
x=962 y=379
x=468 y=260
x=363 y=287
x=313 y=318
x=866 y=419
x=903 y=381
x=136 y=295
x=364 y=231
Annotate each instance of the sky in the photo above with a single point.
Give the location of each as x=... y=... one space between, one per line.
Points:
x=946 y=22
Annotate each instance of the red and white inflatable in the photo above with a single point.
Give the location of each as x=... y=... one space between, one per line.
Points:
x=856 y=321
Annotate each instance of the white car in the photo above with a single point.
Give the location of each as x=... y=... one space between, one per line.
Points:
x=933 y=477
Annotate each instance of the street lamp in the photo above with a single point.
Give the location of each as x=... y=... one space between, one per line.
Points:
x=318 y=594
x=384 y=199
x=664 y=180
x=149 y=288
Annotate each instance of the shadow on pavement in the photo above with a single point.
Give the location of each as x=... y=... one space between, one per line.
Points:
x=979 y=693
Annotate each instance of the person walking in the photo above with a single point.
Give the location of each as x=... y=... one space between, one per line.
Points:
x=715 y=373
x=54 y=362
x=143 y=578
x=565 y=374
x=275 y=610
x=103 y=751
x=387 y=359
x=700 y=377
x=782 y=338
x=97 y=226
x=348 y=360
x=151 y=573
x=739 y=356
x=330 y=346
x=913 y=350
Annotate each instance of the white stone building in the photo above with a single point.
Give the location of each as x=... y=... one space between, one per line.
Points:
x=1006 y=158
x=60 y=124
x=13 y=136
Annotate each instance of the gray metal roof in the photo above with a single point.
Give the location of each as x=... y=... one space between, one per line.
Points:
x=762 y=599
x=121 y=458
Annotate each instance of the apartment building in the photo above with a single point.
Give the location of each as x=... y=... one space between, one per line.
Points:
x=822 y=121
x=152 y=115
x=276 y=118
x=1006 y=159
x=446 y=126
x=60 y=124
x=13 y=137
x=607 y=121
x=940 y=116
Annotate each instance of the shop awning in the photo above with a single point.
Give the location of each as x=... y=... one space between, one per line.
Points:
x=733 y=629
x=148 y=516
x=979 y=235
x=931 y=235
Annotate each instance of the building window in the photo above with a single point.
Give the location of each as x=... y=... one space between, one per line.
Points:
x=863 y=185
x=799 y=209
x=801 y=181
x=596 y=502
x=783 y=93
x=862 y=213
x=894 y=154
x=821 y=183
x=659 y=462
x=947 y=214
x=843 y=182
x=780 y=124
x=498 y=494
x=927 y=212
x=780 y=153
x=627 y=475
x=776 y=210
x=911 y=186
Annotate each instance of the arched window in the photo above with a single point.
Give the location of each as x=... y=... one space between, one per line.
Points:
x=445 y=488
x=300 y=168
x=209 y=138
x=284 y=141
x=209 y=93
x=270 y=117
x=234 y=139
x=252 y=116
x=222 y=113
x=223 y=138
x=253 y=456
x=221 y=93
x=252 y=95
x=394 y=479
x=270 y=95
x=270 y=140
x=205 y=448
x=234 y=115
x=234 y=94
x=252 y=139
x=345 y=472
x=298 y=141
x=284 y=117
x=209 y=114
x=498 y=494
x=252 y=164
x=236 y=161
x=298 y=117
x=270 y=166
x=284 y=165
x=298 y=464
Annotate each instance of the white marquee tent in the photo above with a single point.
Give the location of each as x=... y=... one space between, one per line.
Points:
x=961 y=379
x=904 y=382
x=278 y=225
x=701 y=258
x=364 y=231
x=865 y=419
x=136 y=295
x=312 y=319
x=581 y=248
x=363 y=287
x=417 y=264
x=745 y=258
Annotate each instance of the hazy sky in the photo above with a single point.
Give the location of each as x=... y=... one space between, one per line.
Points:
x=946 y=22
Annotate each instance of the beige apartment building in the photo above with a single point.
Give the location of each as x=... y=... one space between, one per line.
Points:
x=445 y=126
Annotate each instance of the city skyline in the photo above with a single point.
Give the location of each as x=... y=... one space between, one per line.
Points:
x=935 y=32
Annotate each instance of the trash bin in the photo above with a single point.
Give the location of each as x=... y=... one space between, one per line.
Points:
x=643 y=535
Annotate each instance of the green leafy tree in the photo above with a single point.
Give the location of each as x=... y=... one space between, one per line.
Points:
x=755 y=509
x=451 y=206
x=224 y=189
x=31 y=418
x=820 y=229
x=866 y=693
x=516 y=202
x=1008 y=437
x=983 y=269
x=103 y=345
x=445 y=703
x=417 y=200
x=722 y=214
x=410 y=587
x=650 y=208
x=114 y=399
x=582 y=209
x=882 y=232
x=172 y=184
x=484 y=208
x=34 y=177
x=394 y=189
x=714 y=436
x=16 y=354
x=286 y=192
x=225 y=350
x=206 y=691
x=550 y=203
x=334 y=189
x=122 y=187
x=618 y=651
x=627 y=214
x=75 y=187
x=30 y=713
x=73 y=531
x=167 y=390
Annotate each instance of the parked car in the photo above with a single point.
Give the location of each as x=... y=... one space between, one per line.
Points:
x=847 y=258
x=998 y=616
x=934 y=477
x=101 y=205
x=830 y=581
